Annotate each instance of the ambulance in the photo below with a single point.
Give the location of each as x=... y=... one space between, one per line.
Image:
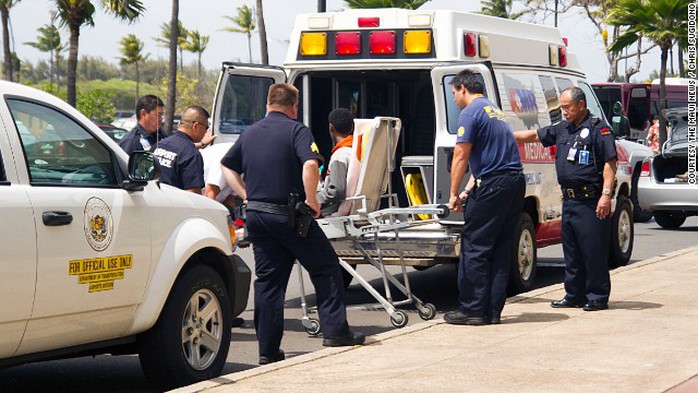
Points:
x=396 y=62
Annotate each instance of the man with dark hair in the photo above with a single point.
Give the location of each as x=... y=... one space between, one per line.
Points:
x=146 y=133
x=492 y=202
x=585 y=162
x=181 y=163
x=334 y=189
x=274 y=179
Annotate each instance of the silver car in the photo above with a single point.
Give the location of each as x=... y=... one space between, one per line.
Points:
x=666 y=185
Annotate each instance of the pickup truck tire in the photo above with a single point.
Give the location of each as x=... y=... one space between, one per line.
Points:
x=623 y=233
x=669 y=219
x=190 y=341
x=524 y=259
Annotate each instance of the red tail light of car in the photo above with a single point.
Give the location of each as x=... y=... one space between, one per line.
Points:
x=645 y=170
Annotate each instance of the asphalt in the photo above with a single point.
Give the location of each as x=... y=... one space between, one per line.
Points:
x=647 y=341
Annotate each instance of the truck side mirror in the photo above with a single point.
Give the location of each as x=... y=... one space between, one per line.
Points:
x=621 y=126
x=142 y=168
x=618 y=109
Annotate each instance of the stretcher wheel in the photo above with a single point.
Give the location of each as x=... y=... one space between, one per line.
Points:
x=445 y=210
x=428 y=313
x=399 y=320
x=314 y=328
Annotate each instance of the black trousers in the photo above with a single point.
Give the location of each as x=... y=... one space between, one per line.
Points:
x=492 y=213
x=275 y=249
x=585 y=242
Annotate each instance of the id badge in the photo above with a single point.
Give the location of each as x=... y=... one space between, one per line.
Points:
x=145 y=144
x=584 y=157
x=571 y=155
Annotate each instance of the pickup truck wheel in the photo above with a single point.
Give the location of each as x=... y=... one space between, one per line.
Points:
x=524 y=262
x=669 y=219
x=623 y=233
x=190 y=341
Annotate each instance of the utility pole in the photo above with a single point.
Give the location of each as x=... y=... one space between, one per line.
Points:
x=556 y=1
x=321 y=5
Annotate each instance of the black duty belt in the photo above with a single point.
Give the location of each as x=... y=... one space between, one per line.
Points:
x=266 y=207
x=584 y=192
x=499 y=173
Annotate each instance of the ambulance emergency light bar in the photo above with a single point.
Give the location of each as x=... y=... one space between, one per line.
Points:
x=367 y=43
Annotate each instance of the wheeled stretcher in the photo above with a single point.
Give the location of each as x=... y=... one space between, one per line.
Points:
x=360 y=220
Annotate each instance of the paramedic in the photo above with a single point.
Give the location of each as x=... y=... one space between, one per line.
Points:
x=270 y=176
x=492 y=203
x=586 y=165
x=334 y=189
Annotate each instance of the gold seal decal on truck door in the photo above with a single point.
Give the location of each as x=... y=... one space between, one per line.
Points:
x=99 y=225
x=100 y=273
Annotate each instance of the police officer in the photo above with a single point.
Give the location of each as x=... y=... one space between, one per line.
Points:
x=278 y=157
x=180 y=161
x=586 y=166
x=492 y=203
x=146 y=133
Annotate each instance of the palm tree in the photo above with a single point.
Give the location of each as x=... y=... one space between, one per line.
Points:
x=132 y=53
x=499 y=8
x=76 y=13
x=663 y=22
x=164 y=40
x=262 y=34
x=408 y=4
x=48 y=40
x=196 y=43
x=5 y=6
x=172 y=67
x=246 y=25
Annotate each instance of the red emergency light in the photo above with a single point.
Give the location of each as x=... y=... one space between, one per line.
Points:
x=347 y=43
x=563 y=56
x=470 y=41
x=381 y=42
x=369 y=22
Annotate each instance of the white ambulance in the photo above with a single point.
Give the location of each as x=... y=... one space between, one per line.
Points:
x=395 y=62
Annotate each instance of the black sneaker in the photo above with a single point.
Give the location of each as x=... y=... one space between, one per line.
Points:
x=279 y=356
x=351 y=339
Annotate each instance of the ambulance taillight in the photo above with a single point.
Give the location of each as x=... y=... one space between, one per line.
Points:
x=381 y=42
x=563 y=56
x=347 y=43
x=470 y=41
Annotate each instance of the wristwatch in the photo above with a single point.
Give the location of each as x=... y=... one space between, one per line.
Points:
x=606 y=191
x=203 y=144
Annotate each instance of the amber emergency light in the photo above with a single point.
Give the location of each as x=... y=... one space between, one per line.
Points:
x=313 y=44
x=417 y=41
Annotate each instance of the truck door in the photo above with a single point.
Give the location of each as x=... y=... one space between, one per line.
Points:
x=447 y=119
x=241 y=98
x=92 y=237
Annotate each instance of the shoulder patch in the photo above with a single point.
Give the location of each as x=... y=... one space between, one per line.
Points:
x=461 y=131
x=314 y=149
x=605 y=131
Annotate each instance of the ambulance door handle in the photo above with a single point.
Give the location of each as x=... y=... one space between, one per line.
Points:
x=56 y=218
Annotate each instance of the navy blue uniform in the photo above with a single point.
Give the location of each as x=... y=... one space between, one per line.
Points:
x=581 y=155
x=270 y=155
x=492 y=210
x=140 y=139
x=181 y=163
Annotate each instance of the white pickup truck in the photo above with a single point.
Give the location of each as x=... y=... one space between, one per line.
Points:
x=98 y=257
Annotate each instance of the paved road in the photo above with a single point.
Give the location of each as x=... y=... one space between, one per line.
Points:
x=436 y=285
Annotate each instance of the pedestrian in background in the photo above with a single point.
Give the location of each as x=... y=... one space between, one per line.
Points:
x=585 y=163
x=491 y=203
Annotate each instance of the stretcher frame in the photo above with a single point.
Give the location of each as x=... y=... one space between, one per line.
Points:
x=368 y=180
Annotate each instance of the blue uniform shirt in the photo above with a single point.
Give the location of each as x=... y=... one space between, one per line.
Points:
x=270 y=155
x=494 y=147
x=594 y=146
x=180 y=161
x=140 y=139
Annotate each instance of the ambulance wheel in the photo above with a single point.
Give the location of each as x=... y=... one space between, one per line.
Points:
x=524 y=261
x=191 y=338
x=314 y=328
x=623 y=233
x=399 y=320
x=428 y=313
x=347 y=277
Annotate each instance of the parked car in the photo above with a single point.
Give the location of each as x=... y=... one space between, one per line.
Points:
x=115 y=133
x=666 y=186
x=99 y=257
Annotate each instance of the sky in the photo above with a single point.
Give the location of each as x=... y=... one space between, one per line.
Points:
x=207 y=17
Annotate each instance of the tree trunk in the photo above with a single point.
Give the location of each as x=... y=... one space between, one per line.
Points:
x=73 y=63
x=181 y=58
x=50 y=67
x=264 y=52
x=138 y=83
x=5 y=14
x=249 y=48
x=682 y=71
x=662 y=96
x=322 y=5
x=172 y=68
x=198 y=63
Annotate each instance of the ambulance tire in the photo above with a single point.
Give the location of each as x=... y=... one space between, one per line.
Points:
x=166 y=359
x=524 y=257
x=623 y=233
x=347 y=277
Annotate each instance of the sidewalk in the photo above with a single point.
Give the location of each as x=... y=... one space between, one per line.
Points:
x=646 y=342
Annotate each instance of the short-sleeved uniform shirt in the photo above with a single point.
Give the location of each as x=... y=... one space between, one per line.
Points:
x=213 y=174
x=494 y=147
x=270 y=155
x=581 y=151
x=180 y=162
x=140 y=139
